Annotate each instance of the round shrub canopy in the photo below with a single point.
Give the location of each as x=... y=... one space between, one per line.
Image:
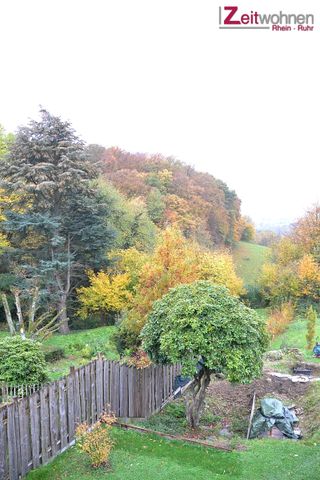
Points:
x=21 y=361
x=202 y=320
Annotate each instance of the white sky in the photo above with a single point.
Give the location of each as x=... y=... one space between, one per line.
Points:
x=159 y=76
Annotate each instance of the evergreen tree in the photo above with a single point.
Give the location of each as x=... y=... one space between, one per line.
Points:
x=60 y=227
x=311 y=327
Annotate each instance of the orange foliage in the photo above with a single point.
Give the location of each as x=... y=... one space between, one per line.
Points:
x=280 y=318
x=179 y=261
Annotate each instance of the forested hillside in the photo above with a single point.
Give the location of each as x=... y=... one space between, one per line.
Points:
x=202 y=206
x=89 y=233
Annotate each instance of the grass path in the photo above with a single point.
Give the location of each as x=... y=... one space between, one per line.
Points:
x=147 y=457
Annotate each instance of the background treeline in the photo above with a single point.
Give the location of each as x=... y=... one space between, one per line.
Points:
x=202 y=206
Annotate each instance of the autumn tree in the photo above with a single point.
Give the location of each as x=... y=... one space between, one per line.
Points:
x=105 y=294
x=293 y=272
x=129 y=219
x=63 y=231
x=208 y=331
x=311 y=327
x=245 y=230
x=306 y=233
x=175 y=261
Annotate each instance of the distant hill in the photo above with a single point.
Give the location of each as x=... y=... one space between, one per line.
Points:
x=248 y=259
x=173 y=192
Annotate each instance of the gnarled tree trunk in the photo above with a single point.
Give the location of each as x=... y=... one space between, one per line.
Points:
x=195 y=396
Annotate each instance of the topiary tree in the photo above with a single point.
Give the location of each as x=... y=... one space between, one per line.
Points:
x=21 y=361
x=208 y=331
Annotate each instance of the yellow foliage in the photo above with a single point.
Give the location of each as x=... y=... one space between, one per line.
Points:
x=105 y=293
x=309 y=276
x=178 y=261
x=286 y=251
x=7 y=202
x=279 y=283
x=96 y=441
x=130 y=261
x=218 y=268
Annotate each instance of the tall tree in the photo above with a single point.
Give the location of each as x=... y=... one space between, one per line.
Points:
x=62 y=229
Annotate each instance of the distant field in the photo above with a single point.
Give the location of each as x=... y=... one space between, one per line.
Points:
x=248 y=259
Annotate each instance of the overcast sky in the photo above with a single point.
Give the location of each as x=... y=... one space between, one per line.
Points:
x=159 y=76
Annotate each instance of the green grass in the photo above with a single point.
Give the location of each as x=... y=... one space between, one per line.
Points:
x=79 y=347
x=136 y=456
x=295 y=337
x=248 y=259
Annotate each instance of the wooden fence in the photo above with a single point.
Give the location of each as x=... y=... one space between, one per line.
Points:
x=10 y=392
x=35 y=429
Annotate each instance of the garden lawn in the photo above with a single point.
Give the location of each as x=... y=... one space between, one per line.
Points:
x=248 y=260
x=80 y=347
x=295 y=337
x=137 y=456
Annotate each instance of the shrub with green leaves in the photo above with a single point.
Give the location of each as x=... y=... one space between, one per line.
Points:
x=21 y=361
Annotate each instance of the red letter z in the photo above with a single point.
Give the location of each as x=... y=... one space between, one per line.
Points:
x=228 y=21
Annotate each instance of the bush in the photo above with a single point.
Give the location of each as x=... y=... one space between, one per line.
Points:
x=311 y=326
x=53 y=354
x=138 y=359
x=126 y=340
x=96 y=441
x=253 y=297
x=280 y=318
x=22 y=361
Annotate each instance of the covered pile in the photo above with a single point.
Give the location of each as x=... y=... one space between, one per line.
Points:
x=272 y=413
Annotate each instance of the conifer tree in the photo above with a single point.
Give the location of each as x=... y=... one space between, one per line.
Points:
x=311 y=327
x=60 y=229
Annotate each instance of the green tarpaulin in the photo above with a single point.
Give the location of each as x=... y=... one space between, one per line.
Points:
x=271 y=413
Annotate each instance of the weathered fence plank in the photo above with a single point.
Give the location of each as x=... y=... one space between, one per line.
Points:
x=53 y=412
x=82 y=394
x=3 y=445
x=12 y=443
x=77 y=401
x=35 y=430
x=93 y=414
x=70 y=406
x=62 y=414
x=25 y=440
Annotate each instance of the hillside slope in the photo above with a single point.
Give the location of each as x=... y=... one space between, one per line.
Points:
x=201 y=205
x=248 y=259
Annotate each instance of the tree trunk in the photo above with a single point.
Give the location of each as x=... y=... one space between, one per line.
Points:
x=195 y=396
x=63 y=318
x=33 y=307
x=16 y=295
x=8 y=314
